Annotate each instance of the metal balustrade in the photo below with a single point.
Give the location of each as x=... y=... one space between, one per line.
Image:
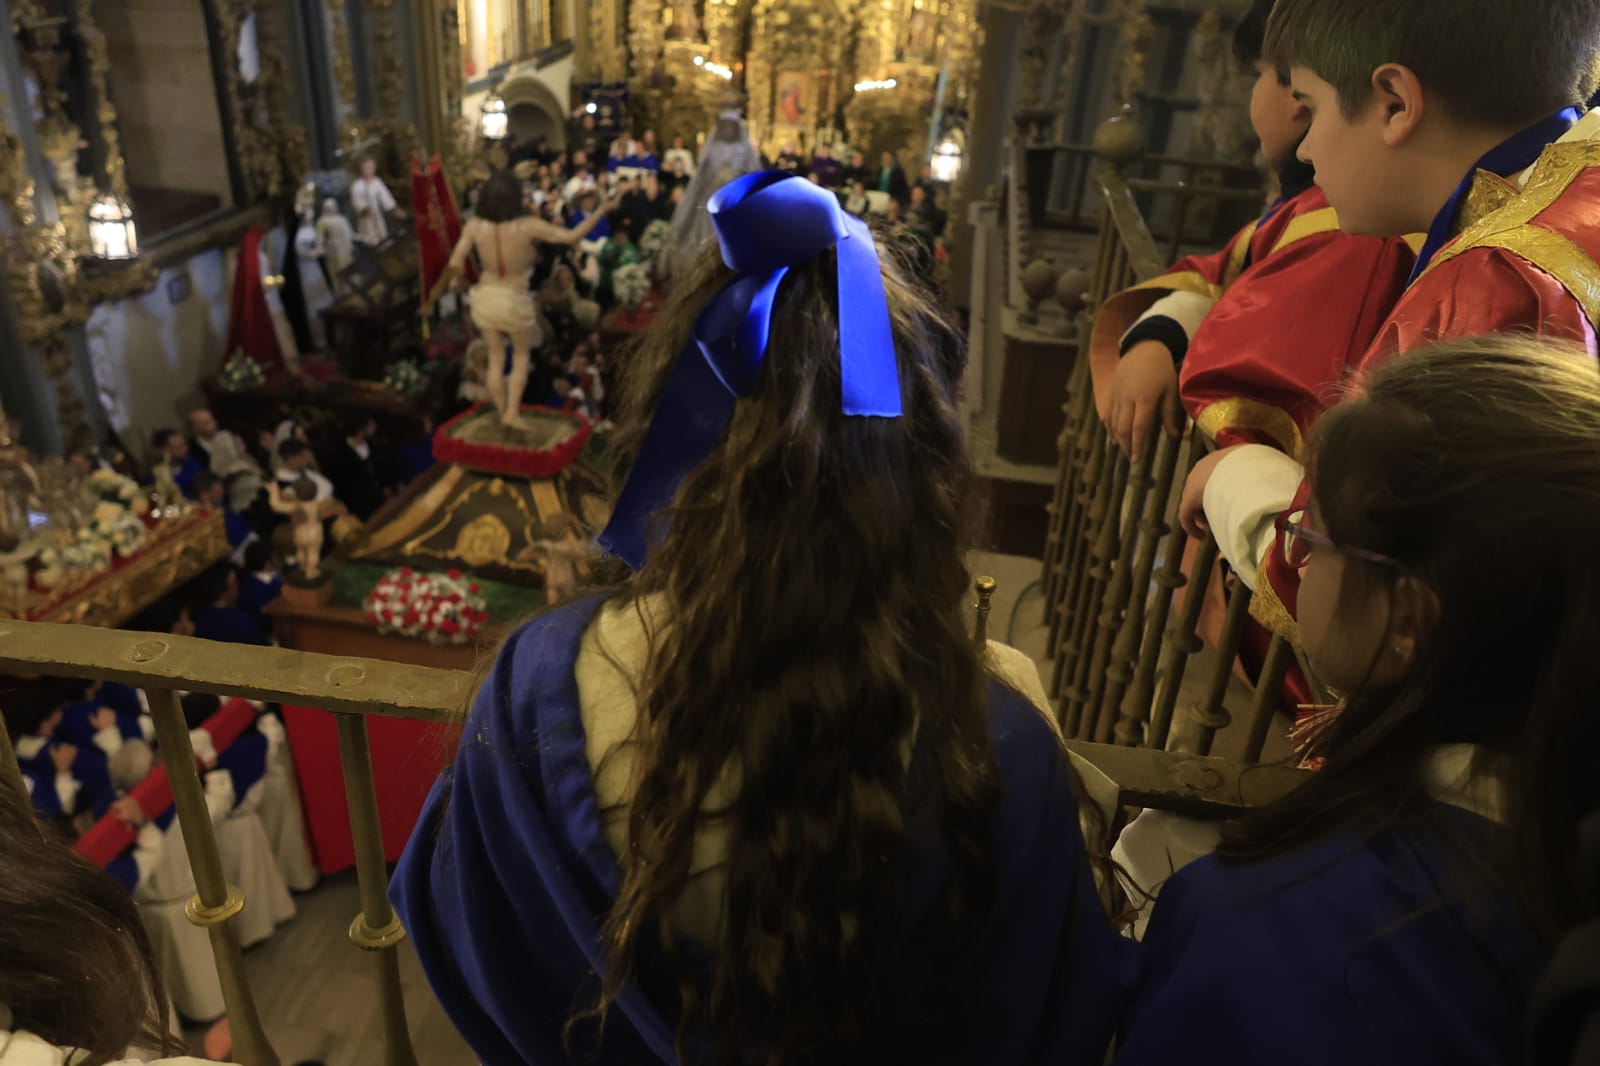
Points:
x=355 y=689
x=1114 y=557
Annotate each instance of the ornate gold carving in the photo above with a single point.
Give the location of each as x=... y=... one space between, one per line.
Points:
x=386 y=61
x=94 y=45
x=172 y=557
x=482 y=541
x=344 y=71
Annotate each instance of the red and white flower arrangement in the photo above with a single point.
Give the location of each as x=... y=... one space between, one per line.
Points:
x=444 y=608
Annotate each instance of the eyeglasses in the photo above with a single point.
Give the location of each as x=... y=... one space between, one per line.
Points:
x=1298 y=542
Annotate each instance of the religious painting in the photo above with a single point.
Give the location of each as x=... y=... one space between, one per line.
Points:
x=792 y=96
x=921 y=40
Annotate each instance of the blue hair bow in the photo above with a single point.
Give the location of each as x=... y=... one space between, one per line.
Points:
x=765 y=223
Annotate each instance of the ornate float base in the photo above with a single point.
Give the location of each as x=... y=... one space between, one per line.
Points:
x=484 y=507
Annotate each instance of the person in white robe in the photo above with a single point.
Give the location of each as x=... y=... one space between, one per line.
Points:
x=309 y=250
x=338 y=241
x=372 y=202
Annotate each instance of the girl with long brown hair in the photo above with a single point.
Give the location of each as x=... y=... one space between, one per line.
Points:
x=765 y=801
x=1399 y=906
x=78 y=981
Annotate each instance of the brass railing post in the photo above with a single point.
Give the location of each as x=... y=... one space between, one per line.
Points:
x=980 y=630
x=215 y=902
x=377 y=928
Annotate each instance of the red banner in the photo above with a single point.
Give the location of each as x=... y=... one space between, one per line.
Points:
x=250 y=328
x=433 y=205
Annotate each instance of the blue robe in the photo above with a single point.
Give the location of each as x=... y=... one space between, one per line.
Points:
x=507 y=878
x=1334 y=955
x=246 y=762
x=76 y=727
x=229 y=624
x=89 y=767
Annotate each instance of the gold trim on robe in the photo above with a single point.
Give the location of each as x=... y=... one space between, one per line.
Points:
x=1239 y=412
x=1268 y=609
x=1239 y=253
x=1512 y=228
x=1322 y=220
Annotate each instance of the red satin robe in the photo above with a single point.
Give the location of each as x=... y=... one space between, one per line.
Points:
x=1531 y=262
x=1295 y=301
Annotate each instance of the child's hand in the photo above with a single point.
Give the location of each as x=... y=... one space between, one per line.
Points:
x=1192 y=505
x=1146 y=386
x=127 y=811
x=63 y=755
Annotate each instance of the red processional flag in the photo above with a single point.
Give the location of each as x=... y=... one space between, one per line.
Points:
x=250 y=328
x=433 y=205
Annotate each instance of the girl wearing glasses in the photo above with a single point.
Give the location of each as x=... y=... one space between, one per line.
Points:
x=1399 y=906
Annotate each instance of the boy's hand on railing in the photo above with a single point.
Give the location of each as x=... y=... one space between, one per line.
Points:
x=1145 y=386
x=1192 y=504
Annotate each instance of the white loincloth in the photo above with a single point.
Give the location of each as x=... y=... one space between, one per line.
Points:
x=506 y=310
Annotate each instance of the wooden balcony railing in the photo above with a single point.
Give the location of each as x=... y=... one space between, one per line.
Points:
x=1114 y=557
x=353 y=689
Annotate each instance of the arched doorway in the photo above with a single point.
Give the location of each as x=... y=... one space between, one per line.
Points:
x=532 y=111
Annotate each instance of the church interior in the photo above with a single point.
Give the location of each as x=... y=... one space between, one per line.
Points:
x=287 y=448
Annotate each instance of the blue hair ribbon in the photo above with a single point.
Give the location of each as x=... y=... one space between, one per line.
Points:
x=765 y=223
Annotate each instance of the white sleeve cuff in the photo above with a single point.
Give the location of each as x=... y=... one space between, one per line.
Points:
x=204 y=749
x=147 y=850
x=147 y=725
x=66 y=791
x=1187 y=309
x=108 y=740
x=1247 y=492
x=219 y=794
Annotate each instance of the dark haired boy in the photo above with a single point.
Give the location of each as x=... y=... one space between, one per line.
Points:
x=1464 y=119
x=1208 y=332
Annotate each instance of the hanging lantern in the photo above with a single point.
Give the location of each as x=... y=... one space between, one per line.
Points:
x=946 y=162
x=112 y=234
x=495 y=123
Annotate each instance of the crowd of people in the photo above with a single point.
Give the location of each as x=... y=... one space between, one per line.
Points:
x=784 y=809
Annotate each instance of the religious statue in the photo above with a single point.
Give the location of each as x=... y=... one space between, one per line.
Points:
x=560 y=544
x=168 y=497
x=373 y=203
x=305 y=518
x=338 y=240
x=728 y=154
x=506 y=240
x=308 y=249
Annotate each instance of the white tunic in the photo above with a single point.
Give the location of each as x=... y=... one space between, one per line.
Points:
x=372 y=201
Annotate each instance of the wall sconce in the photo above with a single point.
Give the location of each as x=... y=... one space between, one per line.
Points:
x=495 y=122
x=874 y=86
x=946 y=161
x=112 y=233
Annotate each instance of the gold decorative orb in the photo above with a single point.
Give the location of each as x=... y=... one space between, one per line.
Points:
x=1118 y=140
x=1072 y=290
x=1038 y=280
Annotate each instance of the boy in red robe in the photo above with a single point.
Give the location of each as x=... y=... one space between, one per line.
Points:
x=1206 y=332
x=1458 y=117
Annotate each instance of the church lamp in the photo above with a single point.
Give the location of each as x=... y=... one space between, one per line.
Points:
x=495 y=122
x=946 y=162
x=112 y=233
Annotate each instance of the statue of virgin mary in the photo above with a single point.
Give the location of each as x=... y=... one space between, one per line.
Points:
x=728 y=154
